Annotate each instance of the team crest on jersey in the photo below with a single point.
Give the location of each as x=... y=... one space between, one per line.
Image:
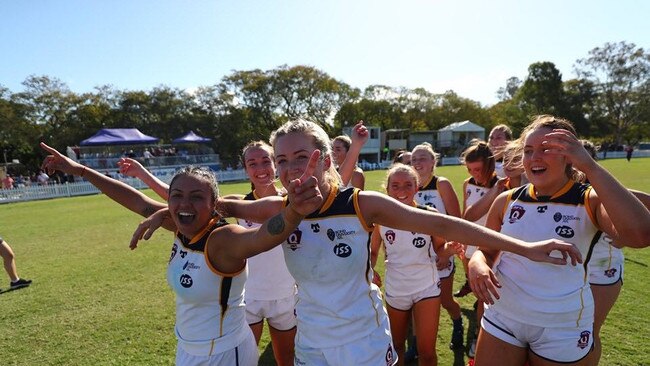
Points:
x=419 y=242
x=583 y=342
x=186 y=281
x=542 y=209
x=516 y=213
x=174 y=251
x=390 y=356
x=611 y=272
x=390 y=236
x=315 y=227
x=294 y=240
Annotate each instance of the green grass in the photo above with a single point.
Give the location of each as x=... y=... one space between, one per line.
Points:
x=94 y=302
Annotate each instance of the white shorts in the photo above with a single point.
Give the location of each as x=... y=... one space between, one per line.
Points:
x=602 y=276
x=470 y=250
x=280 y=314
x=245 y=354
x=447 y=271
x=406 y=302
x=372 y=350
x=563 y=345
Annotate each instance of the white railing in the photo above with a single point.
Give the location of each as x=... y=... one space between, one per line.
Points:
x=38 y=192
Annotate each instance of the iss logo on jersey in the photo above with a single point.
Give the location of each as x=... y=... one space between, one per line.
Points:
x=186 y=281
x=342 y=250
x=419 y=242
x=294 y=240
x=390 y=236
x=583 y=342
x=565 y=231
x=516 y=213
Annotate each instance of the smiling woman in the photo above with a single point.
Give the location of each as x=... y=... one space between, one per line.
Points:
x=207 y=268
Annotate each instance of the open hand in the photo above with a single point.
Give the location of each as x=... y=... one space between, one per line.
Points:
x=483 y=281
x=148 y=226
x=541 y=252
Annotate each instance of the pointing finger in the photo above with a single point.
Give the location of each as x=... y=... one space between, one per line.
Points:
x=311 y=166
x=51 y=150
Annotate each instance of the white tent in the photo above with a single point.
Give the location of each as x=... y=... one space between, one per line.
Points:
x=459 y=133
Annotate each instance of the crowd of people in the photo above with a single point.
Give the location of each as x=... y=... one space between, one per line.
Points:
x=301 y=255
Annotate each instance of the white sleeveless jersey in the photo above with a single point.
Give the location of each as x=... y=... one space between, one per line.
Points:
x=474 y=192
x=605 y=258
x=428 y=195
x=329 y=256
x=410 y=262
x=543 y=294
x=210 y=315
x=268 y=276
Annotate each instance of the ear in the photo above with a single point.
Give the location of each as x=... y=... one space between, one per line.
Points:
x=327 y=162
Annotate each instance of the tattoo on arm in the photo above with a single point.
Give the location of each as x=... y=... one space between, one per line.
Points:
x=276 y=225
x=148 y=211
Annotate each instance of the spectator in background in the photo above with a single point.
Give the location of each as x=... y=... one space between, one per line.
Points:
x=403 y=157
x=42 y=178
x=7 y=182
x=148 y=157
x=628 y=152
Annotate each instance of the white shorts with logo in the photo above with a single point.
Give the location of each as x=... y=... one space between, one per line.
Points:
x=563 y=345
x=447 y=271
x=280 y=314
x=406 y=302
x=372 y=350
x=602 y=276
x=245 y=354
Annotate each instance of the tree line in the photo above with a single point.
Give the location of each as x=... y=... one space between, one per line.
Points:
x=608 y=101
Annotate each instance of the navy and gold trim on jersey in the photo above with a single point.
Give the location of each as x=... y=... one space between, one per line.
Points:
x=197 y=243
x=491 y=182
x=432 y=184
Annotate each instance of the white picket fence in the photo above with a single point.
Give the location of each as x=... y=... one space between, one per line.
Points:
x=83 y=188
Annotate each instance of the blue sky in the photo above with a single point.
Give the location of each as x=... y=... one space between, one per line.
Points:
x=471 y=47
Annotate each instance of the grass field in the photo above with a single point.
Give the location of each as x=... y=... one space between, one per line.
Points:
x=95 y=302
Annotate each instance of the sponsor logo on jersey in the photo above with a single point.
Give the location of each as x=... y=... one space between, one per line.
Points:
x=542 y=209
x=174 y=251
x=331 y=235
x=342 y=250
x=390 y=236
x=315 y=228
x=610 y=272
x=190 y=266
x=186 y=281
x=294 y=239
x=248 y=223
x=339 y=233
x=428 y=197
x=564 y=231
x=564 y=218
x=183 y=253
x=419 y=242
x=583 y=341
x=516 y=213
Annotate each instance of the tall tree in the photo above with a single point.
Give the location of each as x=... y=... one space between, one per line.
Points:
x=618 y=72
x=542 y=92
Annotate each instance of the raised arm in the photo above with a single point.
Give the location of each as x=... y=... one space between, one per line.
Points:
x=616 y=205
x=383 y=210
x=359 y=137
x=255 y=211
x=482 y=206
x=133 y=168
x=119 y=192
x=230 y=245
